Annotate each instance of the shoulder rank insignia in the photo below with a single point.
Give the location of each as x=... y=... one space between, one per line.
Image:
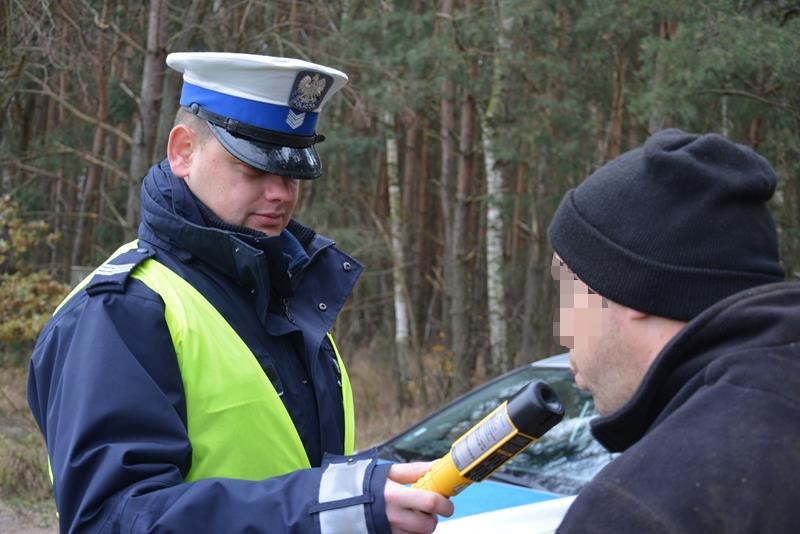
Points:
x=114 y=273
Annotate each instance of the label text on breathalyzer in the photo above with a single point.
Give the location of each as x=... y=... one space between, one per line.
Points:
x=475 y=444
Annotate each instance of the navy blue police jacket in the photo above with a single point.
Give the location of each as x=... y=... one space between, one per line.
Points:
x=105 y=388
x=711 y=438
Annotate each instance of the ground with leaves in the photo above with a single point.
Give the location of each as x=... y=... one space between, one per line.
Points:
x=26 y=504
x=17 y=521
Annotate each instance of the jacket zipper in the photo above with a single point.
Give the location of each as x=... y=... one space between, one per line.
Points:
x=286 y=312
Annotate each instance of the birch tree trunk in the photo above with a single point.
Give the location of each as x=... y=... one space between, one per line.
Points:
x=410 y=125
x=401 y=320
x=145 y=126
x=499 y=360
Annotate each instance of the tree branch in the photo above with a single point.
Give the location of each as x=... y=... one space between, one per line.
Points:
x=78 y=113
x=745 y=94
x=91 y=158
x=114 y=211
x=35 y=170
x=106 y=25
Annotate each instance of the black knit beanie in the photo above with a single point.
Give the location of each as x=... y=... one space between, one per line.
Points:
x=673 y=226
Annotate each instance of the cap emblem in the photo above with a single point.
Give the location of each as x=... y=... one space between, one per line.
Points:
x=308 y=90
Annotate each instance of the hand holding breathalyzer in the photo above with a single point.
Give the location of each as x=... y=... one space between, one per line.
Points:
x=497 y=438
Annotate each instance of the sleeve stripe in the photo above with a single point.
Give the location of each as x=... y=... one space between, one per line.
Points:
x=343 y=521
x=341 y=482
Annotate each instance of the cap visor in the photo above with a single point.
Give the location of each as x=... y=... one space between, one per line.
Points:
x=303 y=163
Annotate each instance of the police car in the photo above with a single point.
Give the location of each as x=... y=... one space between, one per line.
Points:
x=530 y=493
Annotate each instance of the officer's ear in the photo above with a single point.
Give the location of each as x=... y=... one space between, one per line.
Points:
x=181 y=146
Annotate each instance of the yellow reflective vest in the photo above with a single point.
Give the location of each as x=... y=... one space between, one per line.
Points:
x=237 y=424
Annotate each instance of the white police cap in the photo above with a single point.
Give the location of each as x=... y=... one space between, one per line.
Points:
x=262 y=109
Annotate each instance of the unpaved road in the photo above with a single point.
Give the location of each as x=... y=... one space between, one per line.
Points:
x=15 y=522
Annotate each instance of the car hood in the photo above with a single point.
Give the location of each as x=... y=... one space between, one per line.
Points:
x=489 y=496
x=541 y=517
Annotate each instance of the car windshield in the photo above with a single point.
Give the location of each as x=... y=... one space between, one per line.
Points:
x=562 y=461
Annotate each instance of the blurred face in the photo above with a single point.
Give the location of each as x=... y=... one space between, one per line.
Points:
x=237 y=193
x=591 y=326
x=579 y=323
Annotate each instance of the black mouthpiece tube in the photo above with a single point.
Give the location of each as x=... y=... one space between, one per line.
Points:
x=535 y=409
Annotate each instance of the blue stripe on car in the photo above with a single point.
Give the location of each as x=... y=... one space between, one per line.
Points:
x=489 y=496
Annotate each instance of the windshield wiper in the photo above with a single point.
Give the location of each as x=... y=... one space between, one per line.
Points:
x=394 y=454
x=524 y=480
x=405 y=455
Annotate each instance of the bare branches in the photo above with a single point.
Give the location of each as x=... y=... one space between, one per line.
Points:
x=93 y=159
x=751 y=96
x=101 y=24
x=118 y=216
x=35 y=170
x=45 y=90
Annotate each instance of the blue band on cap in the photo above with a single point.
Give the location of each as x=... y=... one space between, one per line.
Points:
x=260 y=114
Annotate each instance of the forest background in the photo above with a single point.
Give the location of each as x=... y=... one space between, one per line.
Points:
x=463 y=125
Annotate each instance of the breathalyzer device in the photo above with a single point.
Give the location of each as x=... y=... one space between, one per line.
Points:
x=498 y=437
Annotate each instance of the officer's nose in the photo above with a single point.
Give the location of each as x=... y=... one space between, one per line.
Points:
x=279 y=188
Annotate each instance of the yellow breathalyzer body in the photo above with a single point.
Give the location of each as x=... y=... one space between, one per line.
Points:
x=498 y=437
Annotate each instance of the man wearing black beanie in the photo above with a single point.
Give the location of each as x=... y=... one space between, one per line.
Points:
x=673 y=305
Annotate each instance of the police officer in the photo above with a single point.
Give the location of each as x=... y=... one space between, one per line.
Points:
x=190 y=384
